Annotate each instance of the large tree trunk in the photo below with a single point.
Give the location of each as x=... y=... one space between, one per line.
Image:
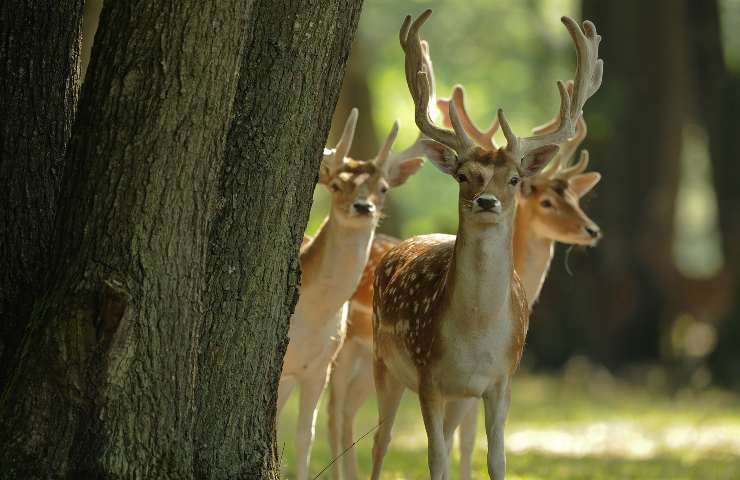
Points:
x=620 y=296
x=290 y=79
x=105 y=383
x=39 y=52
x=717 y=104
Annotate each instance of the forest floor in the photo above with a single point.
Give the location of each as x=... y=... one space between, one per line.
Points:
x=579 y=425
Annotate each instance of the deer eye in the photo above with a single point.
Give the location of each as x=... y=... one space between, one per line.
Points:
x=334 y=187
x=546 y=204
x=461 y=178
x=383 y=189
x=514 y=180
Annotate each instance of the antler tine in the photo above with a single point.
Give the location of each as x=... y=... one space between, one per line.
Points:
x=420 y=83
x=482 y=138
x=345 y=141
x=569 y=147
x=576 y=169
x=385 y=150
x=589 y=71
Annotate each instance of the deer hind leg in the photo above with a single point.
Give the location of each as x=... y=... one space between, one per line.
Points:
x=496 y=405
x=311 y=387
x=389 y=391
x=340 y=379
x=358 y=391
x=433 y=412
x=455 y=411
x=467 y=431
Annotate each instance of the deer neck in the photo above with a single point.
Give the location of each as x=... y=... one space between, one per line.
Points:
x=479 y=286
x=332 y=265
x=532 y=256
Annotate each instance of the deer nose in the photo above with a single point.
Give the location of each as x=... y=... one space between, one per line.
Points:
x=364 y=207
x=488 y=202
x=593 y=232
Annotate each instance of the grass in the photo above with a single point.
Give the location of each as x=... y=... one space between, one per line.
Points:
x=583 y=424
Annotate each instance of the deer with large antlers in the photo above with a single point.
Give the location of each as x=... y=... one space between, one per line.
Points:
x=548 y=211
x=331 y=265
x=450 y=315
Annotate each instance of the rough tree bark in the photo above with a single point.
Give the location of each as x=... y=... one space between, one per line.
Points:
x=39 y=52
x=105 y=383
x=290 y=78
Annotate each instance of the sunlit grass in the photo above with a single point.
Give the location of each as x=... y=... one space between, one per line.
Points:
x=583 y=424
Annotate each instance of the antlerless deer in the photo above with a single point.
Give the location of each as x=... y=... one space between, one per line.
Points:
x=450 y=314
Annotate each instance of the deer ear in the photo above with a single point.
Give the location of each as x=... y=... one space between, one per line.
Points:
x=441 y=156
x=583 y=183
x=328 y=165
x=536 y=160
x=399 y=172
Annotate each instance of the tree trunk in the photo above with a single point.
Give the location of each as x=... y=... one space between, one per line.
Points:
x=39 y=52
x=717 y=104
x=620 y=295
x=290 y=78
x=105 y=383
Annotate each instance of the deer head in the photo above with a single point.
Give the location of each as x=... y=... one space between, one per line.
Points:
x=358 y=188
x=549 y=199
x=489 y=176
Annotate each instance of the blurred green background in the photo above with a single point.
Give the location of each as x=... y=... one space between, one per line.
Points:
x=632 y=364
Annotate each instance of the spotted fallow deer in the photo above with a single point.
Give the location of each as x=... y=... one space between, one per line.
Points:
x=331 y=265
x=548 y=211
x=449 y=313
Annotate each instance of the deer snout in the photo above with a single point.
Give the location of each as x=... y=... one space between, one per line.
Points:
x=593 y=231
x=363 y=207
x=488 y=203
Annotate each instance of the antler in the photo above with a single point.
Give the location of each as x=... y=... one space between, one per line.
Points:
x=589 y=71
x=385 y=150
x=482 y=138
x=420 y=82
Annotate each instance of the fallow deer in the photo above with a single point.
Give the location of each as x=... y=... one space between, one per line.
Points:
x=450 y=315
x=331 y=264
x=548 y=211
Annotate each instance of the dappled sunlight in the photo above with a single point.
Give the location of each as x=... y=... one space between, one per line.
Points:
x=584 y=426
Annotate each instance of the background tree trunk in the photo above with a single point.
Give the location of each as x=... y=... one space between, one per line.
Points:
x=621 y=292
x=105 y=386
x=290 y=78
x=717 y=105
x=39 y=52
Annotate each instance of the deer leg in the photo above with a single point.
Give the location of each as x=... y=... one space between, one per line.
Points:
x=433 y=412
x=311 y=387
x=357 y=393
x=285 y=386
x=467 y=431
x=389 y=392
x=496 y=404
x=341 y=376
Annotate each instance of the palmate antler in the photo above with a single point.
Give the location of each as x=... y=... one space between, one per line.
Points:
x=419 y=80
x=482 y=138
x=559 y=165
x=567 y=129
x=589 y=71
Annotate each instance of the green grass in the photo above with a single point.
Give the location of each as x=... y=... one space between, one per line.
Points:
x=581 y=425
